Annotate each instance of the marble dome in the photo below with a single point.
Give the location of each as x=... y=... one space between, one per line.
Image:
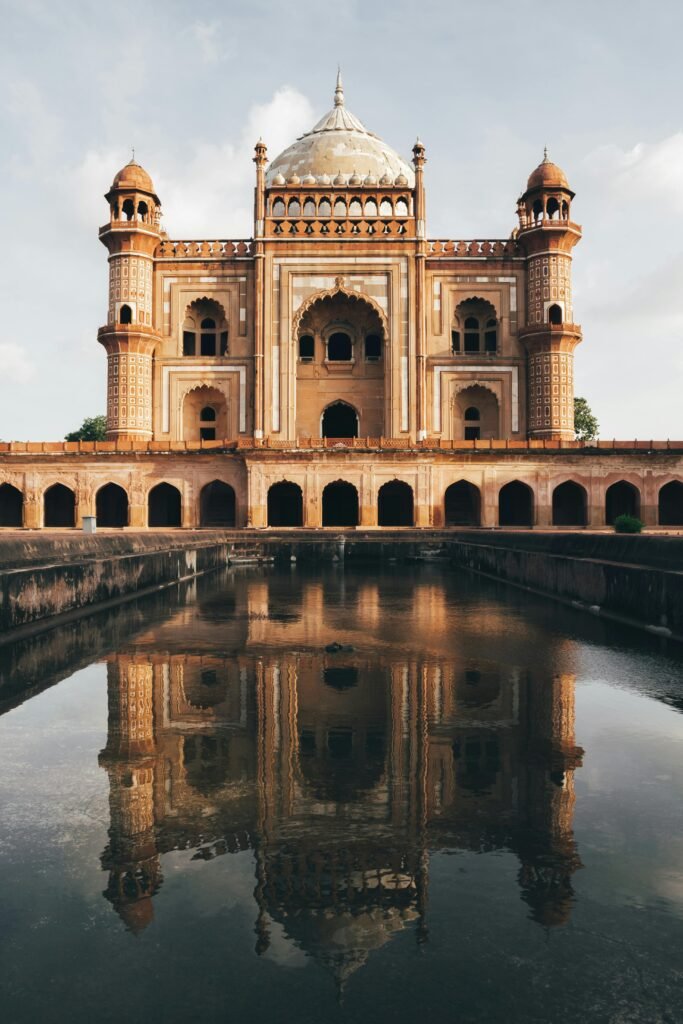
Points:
x=340 y=147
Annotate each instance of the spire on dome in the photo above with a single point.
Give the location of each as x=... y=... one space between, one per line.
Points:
x=545 y=155
x=339 y=90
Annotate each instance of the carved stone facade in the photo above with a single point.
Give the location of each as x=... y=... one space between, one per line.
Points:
x=340 y=346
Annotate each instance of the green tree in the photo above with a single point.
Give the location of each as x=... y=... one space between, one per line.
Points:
x=586 y=426
x=93 y=428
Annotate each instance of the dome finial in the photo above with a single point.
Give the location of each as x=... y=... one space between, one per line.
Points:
x=339 y=89
x=545 y=155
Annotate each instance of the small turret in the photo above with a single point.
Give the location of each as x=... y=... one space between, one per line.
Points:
x=547 y=236
x=131 y=237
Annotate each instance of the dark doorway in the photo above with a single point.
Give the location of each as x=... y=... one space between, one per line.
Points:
x=340 y=420
x=340 y=504
x=217 y=504
x=621 y=499
x=395 y=504
x=670 y=504
x=463 y=504
x=285 y=505
x=60 y=506
x=164 y=506
x=516 y=505
x=569 y=505
x=11 y=506
x=111 y=506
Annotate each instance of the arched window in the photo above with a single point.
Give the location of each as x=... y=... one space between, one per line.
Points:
x=11 y=506
x=142 y=210
x=324 y=208
x=569 y=504
x=339 y=420
x=555 y=315
x=385 y=208
x=340 y=504
x=472 y=425
x=207 y=423
x=205 y=332
x=125 y=314
x=370 y=207
x=471 y=334
x=670 y=504
x=537 y=210
x=339 y=208
x=463 y=504
x=278 y=208
x=622 y=498
x=565 y=210
x=217 y=504
x=401 y=207
x=355 y=208
x=373 y=348
x=164 y=506
x=339 y=347
x=553 y=208
x=516 y=505
x=479 y=323
x=59 y=506
x=111 y=506
x=128 y=209
x=285 y=505
x=309 y=207
x=395 y=504
x=306 y=347
x=294 y=208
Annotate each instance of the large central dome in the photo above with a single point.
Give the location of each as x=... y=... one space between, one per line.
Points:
x=340 y=147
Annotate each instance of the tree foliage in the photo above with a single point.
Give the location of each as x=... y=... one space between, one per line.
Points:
x=93 y=428
x=586 y=426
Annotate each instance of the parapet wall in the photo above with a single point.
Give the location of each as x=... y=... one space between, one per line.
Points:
x=638 y=580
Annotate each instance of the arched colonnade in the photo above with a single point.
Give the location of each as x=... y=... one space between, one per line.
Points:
x=350 y=498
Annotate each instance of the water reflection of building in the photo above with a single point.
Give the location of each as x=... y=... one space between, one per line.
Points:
x=340 y=772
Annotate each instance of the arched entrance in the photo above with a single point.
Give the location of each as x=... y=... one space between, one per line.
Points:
x=569 y=504
x=670 y=504
x=285 y=505
x=339 y=420
x=395 y=504
x=621 y=499
x=164 y=506
x=340 y=504
x=475 y=414
x=516 y=505
x=11 y=506
x=111 y=506
x=205 y=415
x=463 y=504
x=217 y=504
x=59 y=506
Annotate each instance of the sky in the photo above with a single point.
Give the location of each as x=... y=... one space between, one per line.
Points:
x=484 y=84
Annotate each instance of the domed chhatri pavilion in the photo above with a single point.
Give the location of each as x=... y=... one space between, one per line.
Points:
x=340 y=368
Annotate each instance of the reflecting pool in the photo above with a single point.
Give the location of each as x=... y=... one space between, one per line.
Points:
x=345 y=795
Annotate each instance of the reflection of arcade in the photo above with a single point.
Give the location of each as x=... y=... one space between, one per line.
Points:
x=340 y=772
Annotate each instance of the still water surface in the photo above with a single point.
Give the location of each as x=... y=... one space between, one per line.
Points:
x=472 y=811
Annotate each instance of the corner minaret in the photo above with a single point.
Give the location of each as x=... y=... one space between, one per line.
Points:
x=131 y=236
x=547 y=235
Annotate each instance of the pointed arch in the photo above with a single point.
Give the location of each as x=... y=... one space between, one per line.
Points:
x=340 y=288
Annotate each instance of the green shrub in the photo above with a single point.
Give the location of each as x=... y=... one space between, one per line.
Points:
x=627 y=524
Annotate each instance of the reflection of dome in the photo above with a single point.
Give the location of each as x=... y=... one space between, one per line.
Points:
x=135 y=177
x=547 y=175
x=339 y=146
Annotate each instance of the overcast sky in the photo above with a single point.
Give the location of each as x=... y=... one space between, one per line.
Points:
x=485 y=84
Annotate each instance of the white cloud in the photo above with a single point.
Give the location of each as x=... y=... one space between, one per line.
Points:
x=211 y=194
x=647 y=173
x=15 y=366
x=207 y=36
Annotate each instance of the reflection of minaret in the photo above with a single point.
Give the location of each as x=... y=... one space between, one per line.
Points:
x=547 y=848
x=131 y=857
